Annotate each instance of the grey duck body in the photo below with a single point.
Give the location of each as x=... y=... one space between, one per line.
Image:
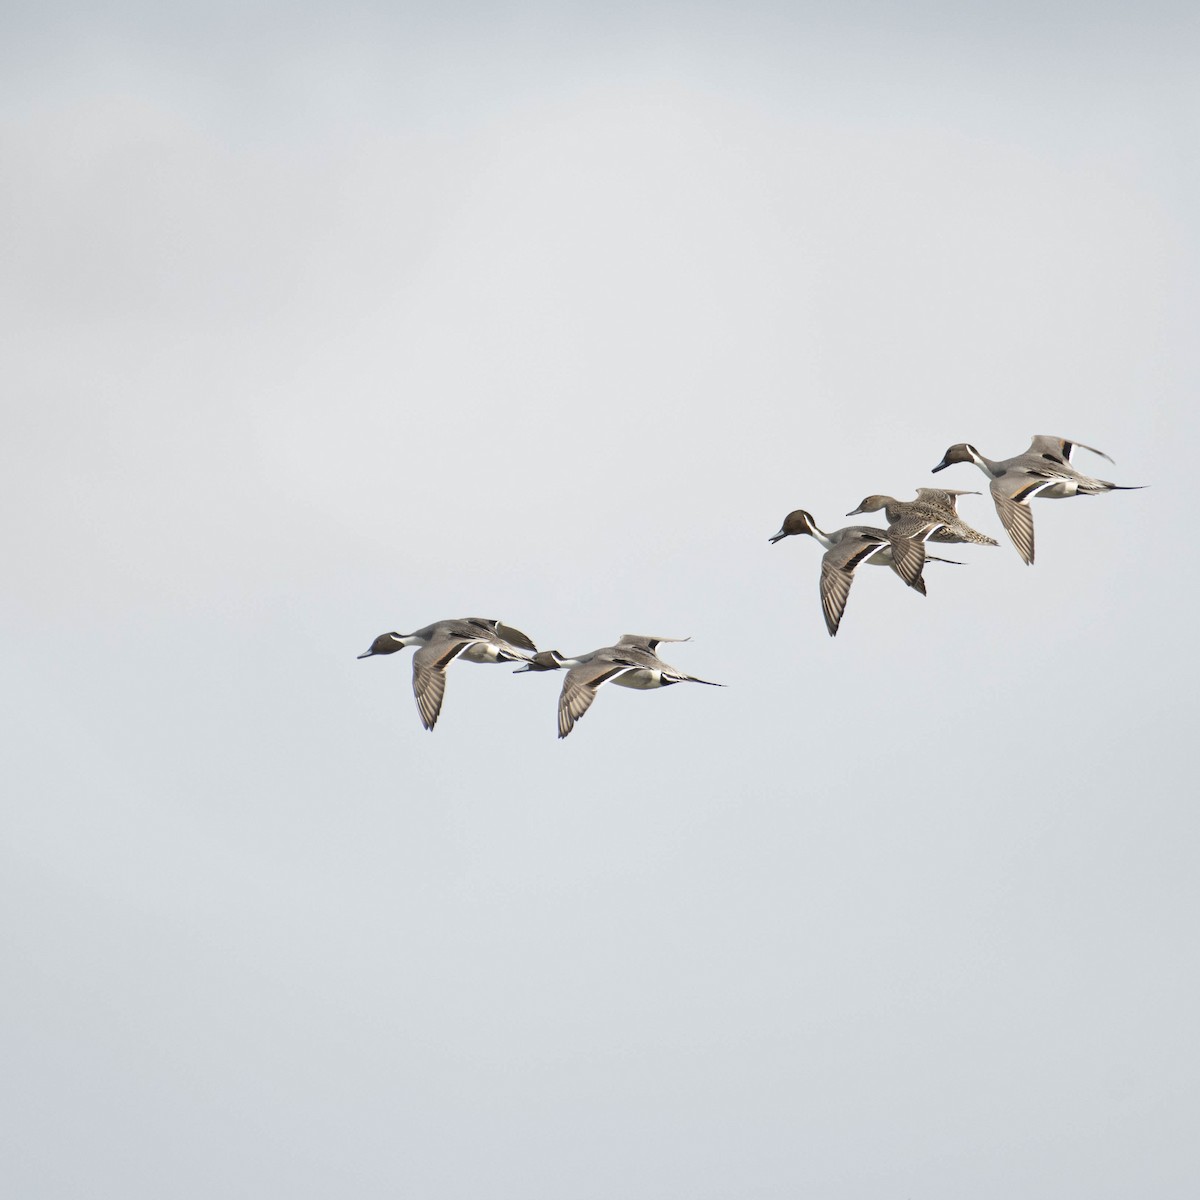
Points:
x=473 y=639
x=932 y=516
x=1044 y=470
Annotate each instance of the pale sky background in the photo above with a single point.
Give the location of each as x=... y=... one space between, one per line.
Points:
x=324 y=320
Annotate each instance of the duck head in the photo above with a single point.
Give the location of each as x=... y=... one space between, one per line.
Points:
x=958 y=453
x=385 y=643
x=794 y=523
x=543 y=660
x=871 y=504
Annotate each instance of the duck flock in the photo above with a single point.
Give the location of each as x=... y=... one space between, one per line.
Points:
x=1044 y=470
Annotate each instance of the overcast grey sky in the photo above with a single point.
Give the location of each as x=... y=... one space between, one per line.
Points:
x=326 y=320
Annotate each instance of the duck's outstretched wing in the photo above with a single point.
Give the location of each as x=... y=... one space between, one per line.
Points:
x=1012 y=494
x=641 y=641
x=835 y=591
x=908 y=557
x=429 y=676
x=514 y=637
x=944 y=497
x=838 y=565
x=579 y=690
x=1060 y=448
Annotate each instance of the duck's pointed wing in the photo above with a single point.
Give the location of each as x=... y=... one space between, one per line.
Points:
x=1011 y=496
x=478 y=624
x=579 y=690
x=944 y=497
x=908 y=557
x=1069 y=446
x=642 y=641
x=835 y=591
x=429 y=676
x=515 y=637
x=838 y=564
x=1059 y=447
x=853 y=548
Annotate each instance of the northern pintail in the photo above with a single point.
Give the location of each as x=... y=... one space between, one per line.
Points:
x=475 y=639
x=631 y=663
x=931 y=517
x=845 y=549
x=1044 y=470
